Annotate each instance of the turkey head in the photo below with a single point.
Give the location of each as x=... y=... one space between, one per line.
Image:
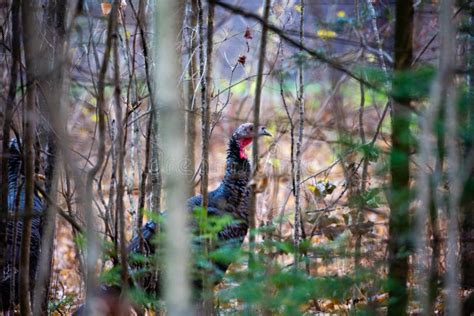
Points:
x=245 y=133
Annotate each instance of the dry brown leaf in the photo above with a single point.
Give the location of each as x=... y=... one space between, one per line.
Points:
x=106 y=8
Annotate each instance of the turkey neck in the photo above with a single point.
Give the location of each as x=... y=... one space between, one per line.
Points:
x=236 y=179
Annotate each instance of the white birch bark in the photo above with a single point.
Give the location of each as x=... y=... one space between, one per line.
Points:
x=166 y=76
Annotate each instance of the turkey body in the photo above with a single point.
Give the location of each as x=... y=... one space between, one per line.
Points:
x=229 y=198
x=9 y=279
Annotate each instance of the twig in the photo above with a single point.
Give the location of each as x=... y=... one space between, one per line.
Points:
x=373 y=19
x=70 y=219
x=292 y=136
x=428 y=44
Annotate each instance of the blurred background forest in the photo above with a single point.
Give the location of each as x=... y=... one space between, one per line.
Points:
x=361 y=202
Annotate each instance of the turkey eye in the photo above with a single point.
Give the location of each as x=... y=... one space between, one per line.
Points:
x=251 y=128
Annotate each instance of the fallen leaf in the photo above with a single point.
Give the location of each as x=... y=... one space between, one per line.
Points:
x=242 y=59
x=106 y=8
x=325 y=34
x=248 y=33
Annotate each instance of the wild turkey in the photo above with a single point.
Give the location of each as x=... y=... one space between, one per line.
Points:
x=16 y=206
x=230 y=198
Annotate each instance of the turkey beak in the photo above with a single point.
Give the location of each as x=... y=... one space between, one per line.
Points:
x=264 y=132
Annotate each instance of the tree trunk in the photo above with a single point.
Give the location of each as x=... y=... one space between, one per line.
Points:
x=9 y=107
x=205 y=74
x=166 y=29
x=51 y=82
x=467 y=202
x=92 y=238
x=299 y=229
x=399 y=223
x=120 y=143
x=31 y=47
x=191 y=110
x=256 y=120
x=467 y=232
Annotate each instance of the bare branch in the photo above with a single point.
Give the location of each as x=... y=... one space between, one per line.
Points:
x=295 y=43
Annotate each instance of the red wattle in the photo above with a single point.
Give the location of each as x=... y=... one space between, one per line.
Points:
x=244 y=142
